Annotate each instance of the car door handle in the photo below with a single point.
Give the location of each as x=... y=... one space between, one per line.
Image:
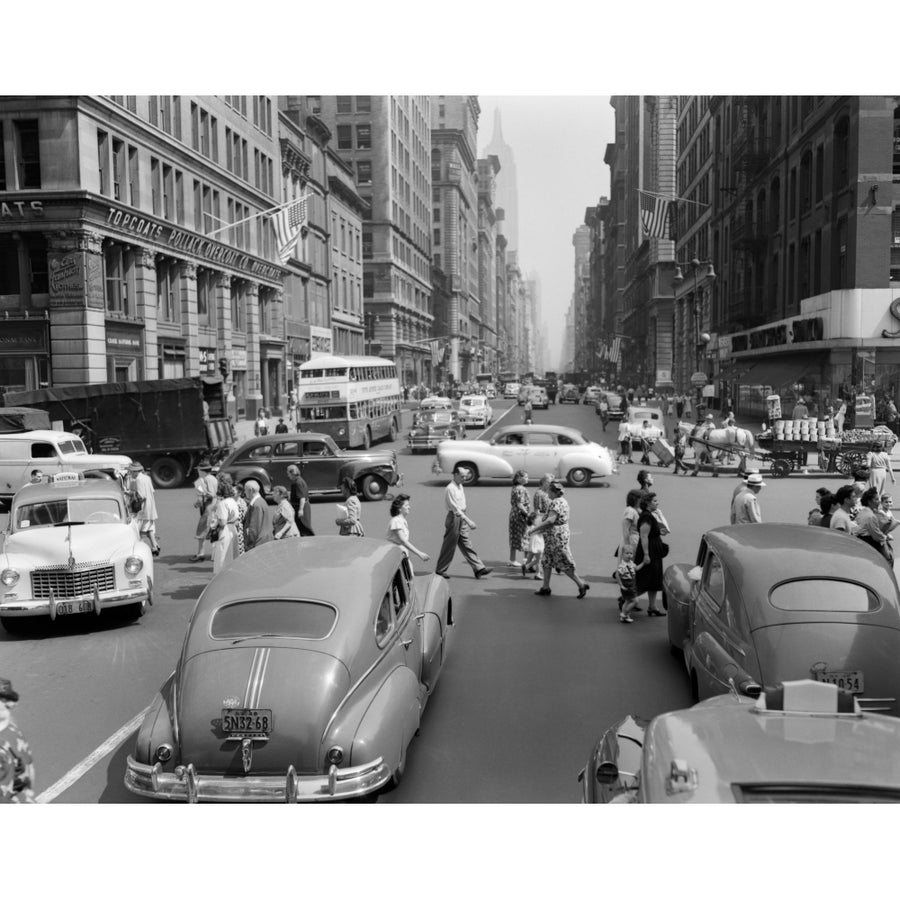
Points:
x=406 y=643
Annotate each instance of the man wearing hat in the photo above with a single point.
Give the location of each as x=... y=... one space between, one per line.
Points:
x=745 y=506
x=142 y=498
x=206 y=487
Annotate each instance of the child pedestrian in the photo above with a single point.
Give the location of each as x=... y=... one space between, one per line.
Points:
x=527 y=411
x=626 y=576
x=535 y=550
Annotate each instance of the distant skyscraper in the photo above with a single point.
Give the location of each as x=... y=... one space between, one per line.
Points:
x=507 y=197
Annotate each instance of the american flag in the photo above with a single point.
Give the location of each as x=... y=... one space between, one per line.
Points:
x=614 y=350
x=288 y=221
x=436 y=353
x=655 y=215
x=603 y=353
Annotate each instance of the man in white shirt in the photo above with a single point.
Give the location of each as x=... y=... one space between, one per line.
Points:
x=745 y=506
x=457 y=526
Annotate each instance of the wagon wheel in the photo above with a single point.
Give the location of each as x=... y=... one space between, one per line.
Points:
x=781 y=468
x=848 y=461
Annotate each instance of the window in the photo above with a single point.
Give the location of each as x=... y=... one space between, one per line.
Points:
x=103 y=160
x=2 y=162
x=134 y=178
x=364 y=171
x=118 y=169
x=714 y=580
x=36 y=248
x=792 y=209
x=206 y=296
x=364 y=137
x=345 y=137
x=238 y=304
x=824 y=595
x=168 y=191
x=384 y=620
x=204 y=132
x=179 y=198
x=344 y=104
x=119 y=272
x=364 y=104
x=167 y=290
x=820 y=172
x=156 y=185
x=805 y=182
x=29 y=153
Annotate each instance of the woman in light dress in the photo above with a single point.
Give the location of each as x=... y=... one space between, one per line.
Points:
x=879 y=464
x=225 y=520
x=284 y=524
x=351 y=522
x=398 y=529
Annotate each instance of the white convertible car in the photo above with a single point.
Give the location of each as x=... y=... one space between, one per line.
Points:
x=72 y=547
x=564 y=452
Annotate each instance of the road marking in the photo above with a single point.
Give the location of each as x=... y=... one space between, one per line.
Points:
x=107 y=747
x=496 y=421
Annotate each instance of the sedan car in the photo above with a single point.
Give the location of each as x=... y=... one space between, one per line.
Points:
x=431 y=427
x=537 y=449
x=613 y=401
x=770 y=602
x=72 y=547
x=538 y=397
x=474 y=409
x=569 y=394
x=511 y=390
x=323 y=465
x=799 y=742
x=591 y=394
x=637 y=415
x=303 y=677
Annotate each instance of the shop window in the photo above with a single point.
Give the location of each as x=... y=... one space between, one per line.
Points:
x=171 y=361
x=167 y=283
x=9 y=266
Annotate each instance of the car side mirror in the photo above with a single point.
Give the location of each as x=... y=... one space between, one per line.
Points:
x=607 y=773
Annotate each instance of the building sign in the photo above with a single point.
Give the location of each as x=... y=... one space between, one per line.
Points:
x=66 y=278
x=120 y=341
x=194 y=244
x=321 y=342
x=15 y=209
x=208 y=363
x=801 y=331
x=16 y=337
x=239 y=359
x=663 y=376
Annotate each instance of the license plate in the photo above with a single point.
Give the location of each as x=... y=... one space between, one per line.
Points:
x=846 y=681
x=247 y=721
x=74 y=606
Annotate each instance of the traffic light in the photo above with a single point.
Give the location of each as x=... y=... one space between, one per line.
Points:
x=223 y=366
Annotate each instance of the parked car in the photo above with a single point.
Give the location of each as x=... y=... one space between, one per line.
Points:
x=591 y=394
x=511 y=390
x=50 y=451
x=539 y=398
x=637 y=415
x=323 y=465
x=434 y=402
x=298 y=681
x=614 y=401
x=569 y=394
x=431 y=427
x=799 y=742
x=537 y=449
x=72 y=547
x=767 y=603
x=474 y=409
x=16 y=761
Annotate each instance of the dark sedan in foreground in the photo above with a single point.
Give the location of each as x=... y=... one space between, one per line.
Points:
x=303 y=677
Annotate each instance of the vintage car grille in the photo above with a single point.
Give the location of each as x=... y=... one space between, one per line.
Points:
x=66 y=583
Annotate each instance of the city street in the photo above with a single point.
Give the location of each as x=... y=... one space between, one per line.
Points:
x=529 y=685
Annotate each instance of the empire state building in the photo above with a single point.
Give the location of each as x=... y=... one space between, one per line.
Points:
x=507 y=196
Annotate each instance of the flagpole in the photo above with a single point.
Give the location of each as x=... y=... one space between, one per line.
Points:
x=672 y=197
x=265 y=212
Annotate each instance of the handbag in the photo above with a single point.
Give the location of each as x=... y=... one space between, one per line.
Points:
x=664 y=549
x=214 y=533
x=136 y=503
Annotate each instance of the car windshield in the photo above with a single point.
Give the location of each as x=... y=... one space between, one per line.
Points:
x=73 y=446
x=90 y=510
x=823 y=595
x=432 y=418
x=472 y=401
x=276 y=617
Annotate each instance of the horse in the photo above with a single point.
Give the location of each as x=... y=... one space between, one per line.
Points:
x=726 y=440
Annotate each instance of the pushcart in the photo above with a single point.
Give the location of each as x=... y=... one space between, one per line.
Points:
x=663 y=451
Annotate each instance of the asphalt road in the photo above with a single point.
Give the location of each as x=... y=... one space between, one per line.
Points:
x=529 y=686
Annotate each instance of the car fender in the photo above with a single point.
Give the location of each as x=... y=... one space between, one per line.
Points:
x=716 y=668
x=679 y=592
x=435 y=619
x=256 y=473
x=157 y=728
x=390 y=720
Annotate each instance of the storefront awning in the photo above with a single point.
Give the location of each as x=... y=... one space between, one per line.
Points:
x=782 y=372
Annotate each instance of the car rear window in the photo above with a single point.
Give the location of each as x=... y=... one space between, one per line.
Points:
x=279 y=618
x=823 y=595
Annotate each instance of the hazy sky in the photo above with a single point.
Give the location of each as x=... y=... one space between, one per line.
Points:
x=558 y=145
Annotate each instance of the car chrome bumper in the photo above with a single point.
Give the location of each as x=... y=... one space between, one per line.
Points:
x=16 y=607
x=187 y=785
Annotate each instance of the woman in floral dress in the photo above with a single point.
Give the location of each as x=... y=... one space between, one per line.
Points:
x=519 y=509
x=557 y=554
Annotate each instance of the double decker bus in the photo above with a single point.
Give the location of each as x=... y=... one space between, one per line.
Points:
x=355 y=399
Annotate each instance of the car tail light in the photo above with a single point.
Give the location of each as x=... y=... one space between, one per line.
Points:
x=335 y=756
x=164 y=752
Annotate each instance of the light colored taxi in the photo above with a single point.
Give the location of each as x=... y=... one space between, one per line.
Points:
x=564 y=452
x=72 y=548
x=474 y=409
x=797 y=742
x=652 y=415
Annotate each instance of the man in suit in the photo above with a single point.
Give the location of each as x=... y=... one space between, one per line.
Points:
x=258 y=518
x=299 y=499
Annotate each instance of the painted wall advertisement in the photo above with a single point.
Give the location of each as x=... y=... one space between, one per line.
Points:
x=321 y=342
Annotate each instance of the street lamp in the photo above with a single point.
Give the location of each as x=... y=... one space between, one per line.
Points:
x=701 y=339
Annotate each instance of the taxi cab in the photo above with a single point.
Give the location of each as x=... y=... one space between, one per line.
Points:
x=72 y=547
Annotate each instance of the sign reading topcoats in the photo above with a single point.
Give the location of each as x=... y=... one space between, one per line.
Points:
x=191 y=243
